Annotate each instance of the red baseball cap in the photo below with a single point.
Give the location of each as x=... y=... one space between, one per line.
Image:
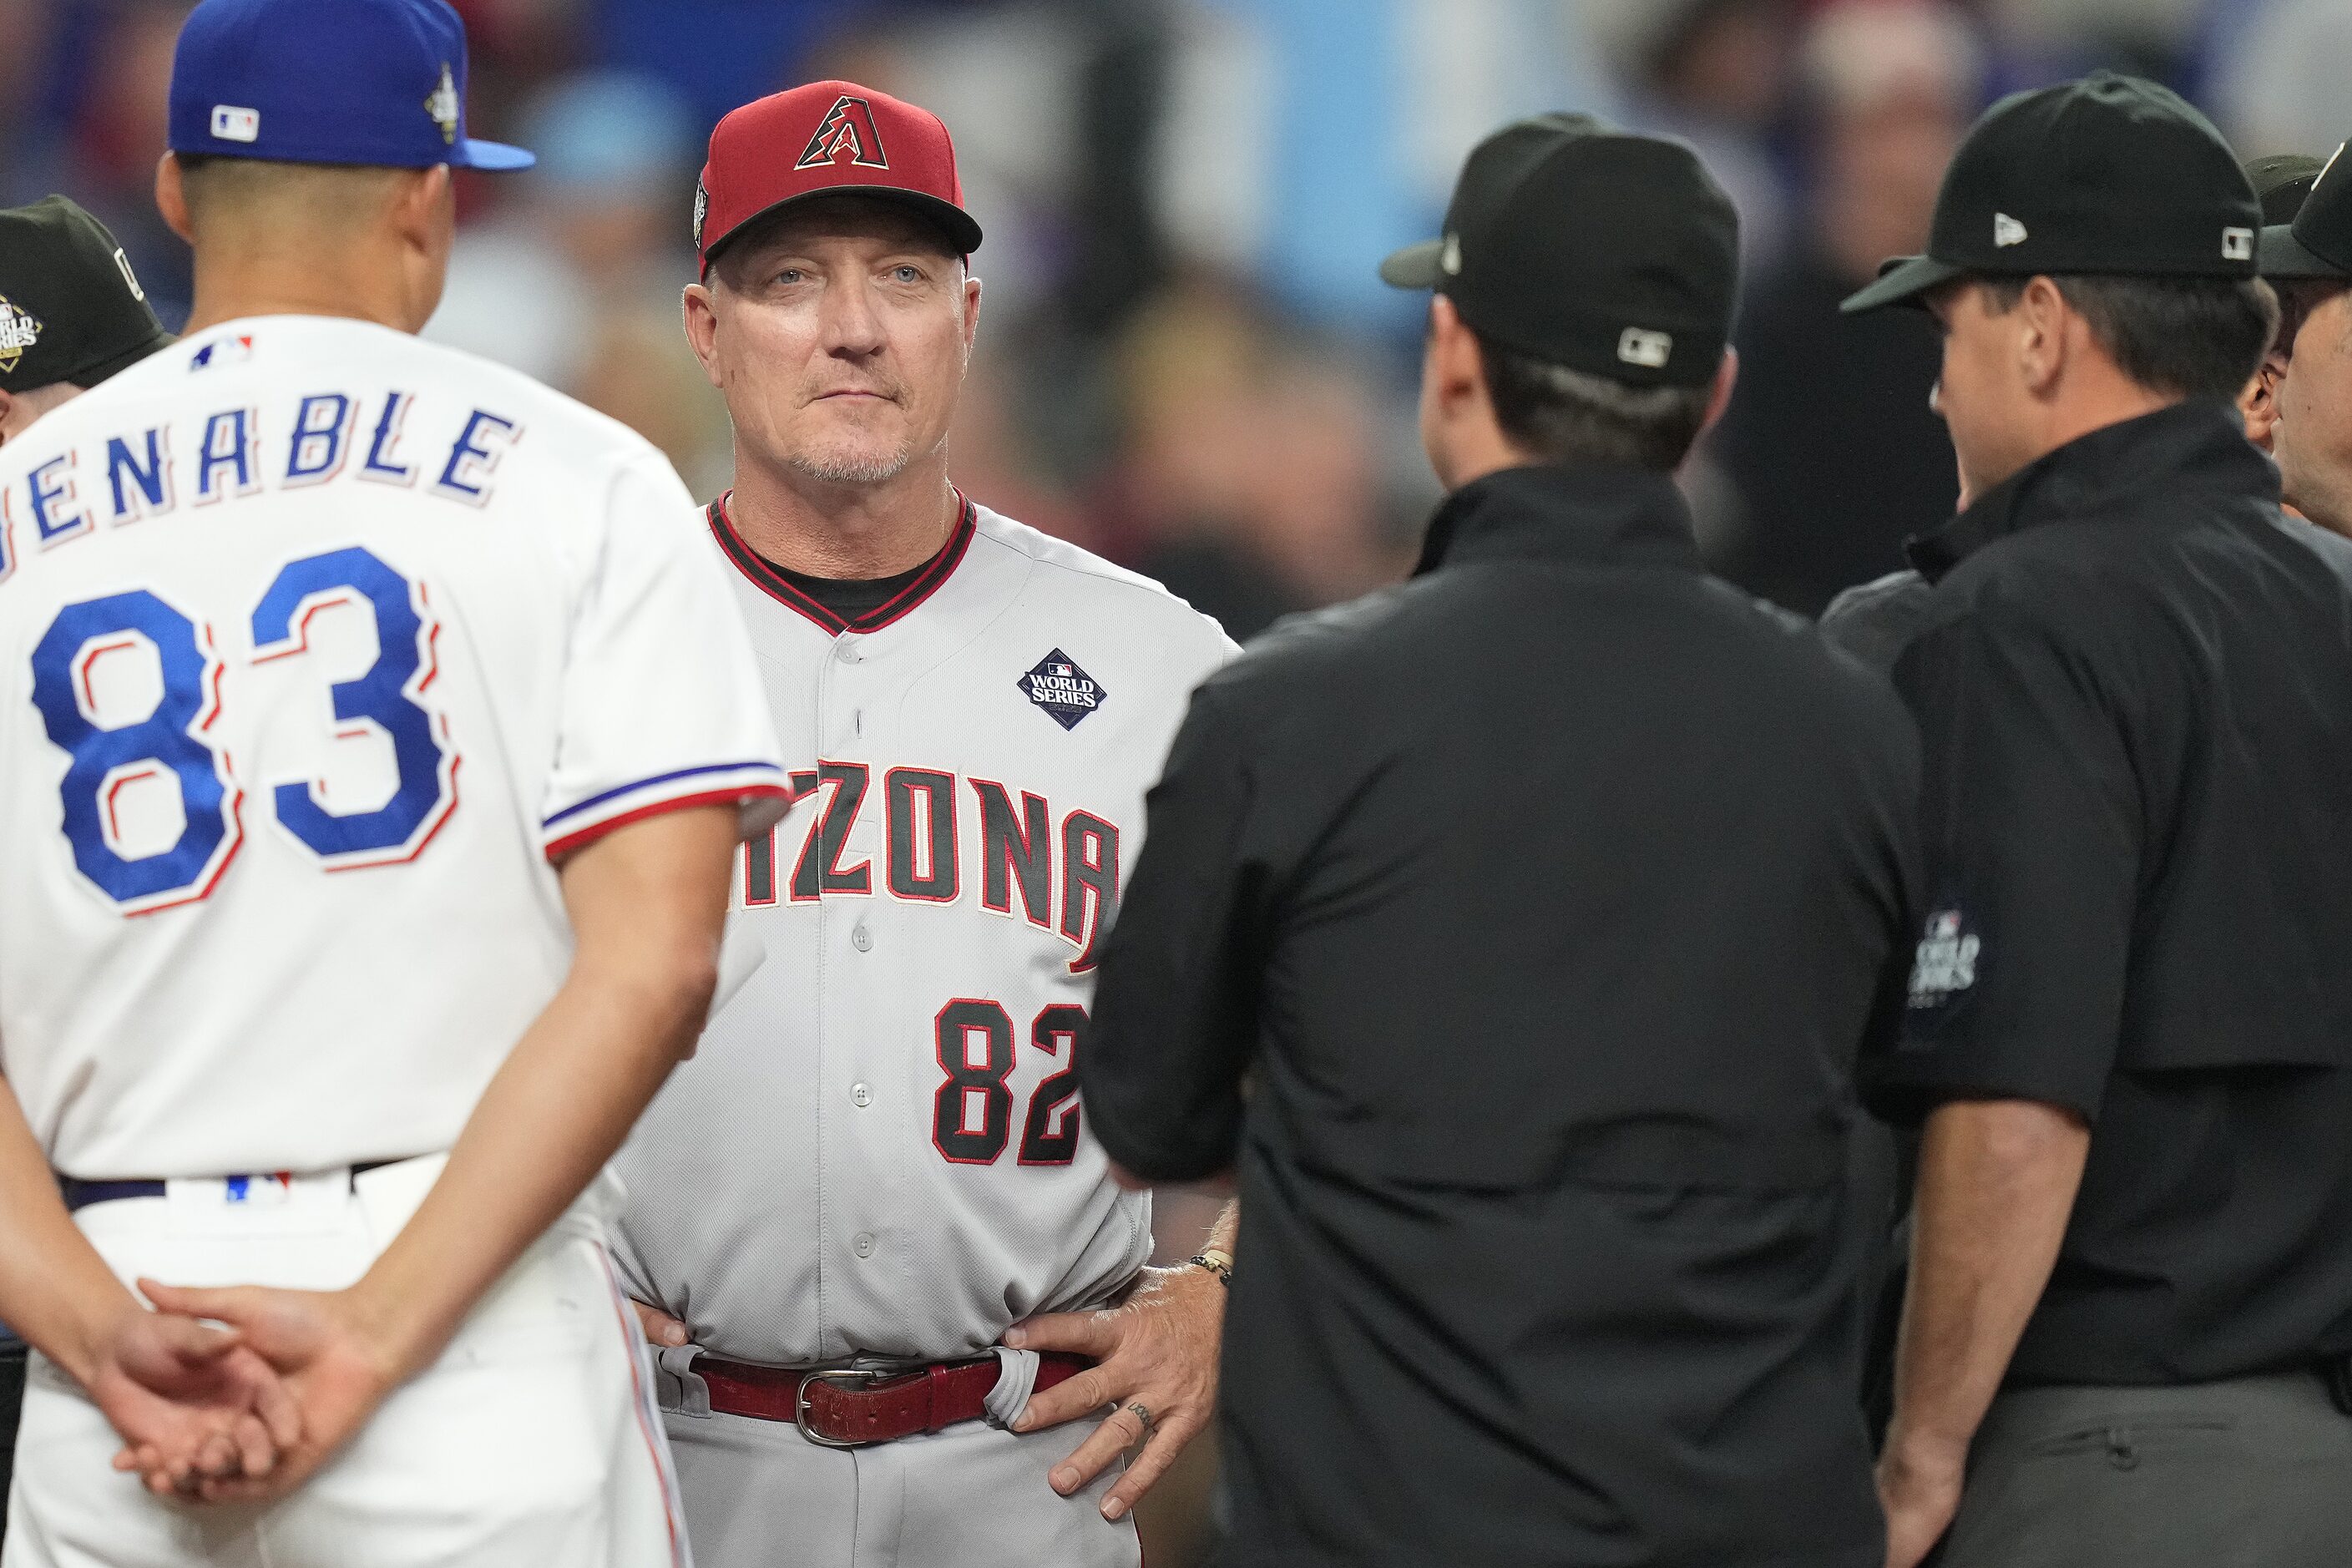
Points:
x=828 y=138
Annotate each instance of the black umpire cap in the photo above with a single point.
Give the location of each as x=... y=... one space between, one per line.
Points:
x=1575 y=243
x=2318 y=244
x=2110 y=174
x=70 y=308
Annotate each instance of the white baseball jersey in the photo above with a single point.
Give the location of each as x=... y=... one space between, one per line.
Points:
x=878 y=1146
x=318 y=645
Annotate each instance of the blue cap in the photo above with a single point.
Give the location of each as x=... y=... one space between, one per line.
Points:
x=377 y=82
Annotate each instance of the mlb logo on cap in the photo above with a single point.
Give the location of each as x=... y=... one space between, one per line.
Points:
x=373 y=82
x=828 y=138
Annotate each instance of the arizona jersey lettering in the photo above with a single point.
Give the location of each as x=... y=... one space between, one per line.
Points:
x=319 y=646
x=878 y=1146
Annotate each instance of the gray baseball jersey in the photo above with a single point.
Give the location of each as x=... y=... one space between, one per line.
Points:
x=878 y=1148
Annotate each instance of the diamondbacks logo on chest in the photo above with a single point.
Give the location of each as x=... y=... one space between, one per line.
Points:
x=1066 y=692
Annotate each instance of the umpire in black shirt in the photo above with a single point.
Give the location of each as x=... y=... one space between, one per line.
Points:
x=2129 y=1027
x=1546 y=900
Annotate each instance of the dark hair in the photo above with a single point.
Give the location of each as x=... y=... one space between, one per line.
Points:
x=1564 y=416
x=2201 y=338
x=2297 y=299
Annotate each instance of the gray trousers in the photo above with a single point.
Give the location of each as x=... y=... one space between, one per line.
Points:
x=2254 y=1472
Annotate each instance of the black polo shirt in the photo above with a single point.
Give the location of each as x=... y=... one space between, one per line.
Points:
x=2133 y=679
x=1547 y=901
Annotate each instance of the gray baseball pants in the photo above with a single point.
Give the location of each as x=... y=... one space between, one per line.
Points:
x=2251 y=1473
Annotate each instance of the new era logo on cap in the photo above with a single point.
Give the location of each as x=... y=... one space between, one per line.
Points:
x=233 y=124
x=847 y=128
x=2007 y=231
x=2237 y=245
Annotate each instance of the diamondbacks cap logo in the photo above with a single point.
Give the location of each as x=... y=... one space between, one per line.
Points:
x=442 y=105
x=1647 y=349
x=20 y=330
x=2006 y=231
x=848 y=128
x=1066 y=692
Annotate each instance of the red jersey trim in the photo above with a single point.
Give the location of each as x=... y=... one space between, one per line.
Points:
x=765 y=577
x=564 y=846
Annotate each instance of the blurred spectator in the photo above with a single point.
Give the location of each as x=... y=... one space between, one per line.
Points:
x=1829 y=442
x=1252 y=480
x=578 y=283
x=97 y=127
x=2278 y=86
x=1716 y=74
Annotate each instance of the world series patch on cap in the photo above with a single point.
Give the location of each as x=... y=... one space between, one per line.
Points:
x=828 y=138
x=380 y=83
x=71 y=309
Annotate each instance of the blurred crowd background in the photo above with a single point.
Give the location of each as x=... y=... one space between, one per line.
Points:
x=1186 y=361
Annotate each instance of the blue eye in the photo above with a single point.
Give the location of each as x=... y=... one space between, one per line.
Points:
x=905 y=274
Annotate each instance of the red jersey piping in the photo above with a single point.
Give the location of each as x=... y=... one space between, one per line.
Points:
x=768 y=581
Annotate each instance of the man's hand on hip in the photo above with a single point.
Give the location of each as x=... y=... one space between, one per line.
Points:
x=660 y=1327
x=1157 y=1353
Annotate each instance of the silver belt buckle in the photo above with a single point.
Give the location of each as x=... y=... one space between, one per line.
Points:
x=841 y=1378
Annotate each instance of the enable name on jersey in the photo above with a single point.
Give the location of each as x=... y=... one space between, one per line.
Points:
x=142 y=473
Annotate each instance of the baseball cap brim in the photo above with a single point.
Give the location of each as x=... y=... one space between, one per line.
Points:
x=1415 y=266
x=1901 y=282
x=493 y=157
x=2279 y=254
x=958 y=226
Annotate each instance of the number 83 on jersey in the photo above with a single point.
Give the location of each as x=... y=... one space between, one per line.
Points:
x=129 y=688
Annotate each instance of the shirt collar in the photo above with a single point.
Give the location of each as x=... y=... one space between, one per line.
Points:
x=1600 y=513
x=2188 y=446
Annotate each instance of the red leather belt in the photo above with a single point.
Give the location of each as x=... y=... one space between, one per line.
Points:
x=850 y=1407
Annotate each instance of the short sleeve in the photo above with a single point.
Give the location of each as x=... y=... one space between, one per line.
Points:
x=2030 y=830
x=662 y=707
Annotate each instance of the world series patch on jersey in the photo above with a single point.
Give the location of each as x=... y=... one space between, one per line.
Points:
x=878 y=1147
x=319 y=647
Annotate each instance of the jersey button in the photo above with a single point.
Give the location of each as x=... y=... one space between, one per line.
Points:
x=860 y=1096
x=864 y=1244
x=861 y=939
x=848 y=653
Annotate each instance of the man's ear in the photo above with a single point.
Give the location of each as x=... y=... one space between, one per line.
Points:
x=1718 y=396
x=172 y=197
x=1456 y=367
x=2258 y=404
x=7 y=409
x=701 y=309
x=422 y=202
x=970 y=311
x=2042 y=319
